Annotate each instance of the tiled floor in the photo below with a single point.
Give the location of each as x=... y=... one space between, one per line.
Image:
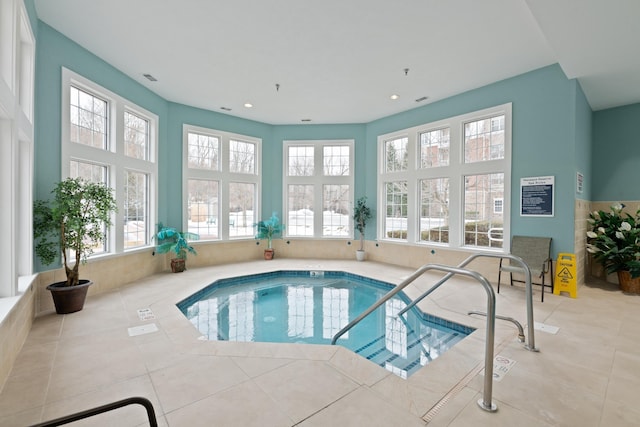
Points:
x=588 y=374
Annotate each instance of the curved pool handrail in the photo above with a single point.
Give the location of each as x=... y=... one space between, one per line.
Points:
x=136 y=400
x=485 y=402
x=531 y=344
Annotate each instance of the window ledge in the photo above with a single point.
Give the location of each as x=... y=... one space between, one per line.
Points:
x=7 y=303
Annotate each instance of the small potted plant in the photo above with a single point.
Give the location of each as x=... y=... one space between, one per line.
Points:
x=171 y=240
x=613 y=239
x=72 y=225
x=268 y=229
x=361 y=214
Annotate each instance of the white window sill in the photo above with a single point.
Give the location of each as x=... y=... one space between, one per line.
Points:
x=7 y=304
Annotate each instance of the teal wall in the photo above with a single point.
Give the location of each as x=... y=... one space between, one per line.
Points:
x=551 y=134
x=583 y=141
x=616 y=154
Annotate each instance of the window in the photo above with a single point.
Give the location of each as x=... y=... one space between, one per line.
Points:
x=434 y=210
x=17 y=58
x=447 y=182
x=136 y=136
x=335 y=209
x=480 y=192
x=203 y=207
x=94 y=173
x=301 y=161
x=136 y=206
x=88 y=118
x=242 y=157
x=203 y=151
x=106 y=138
x=484 y=139
x=434 y=148
x=396 y=208
x=318 y=179
x=396 y=154
x=222 y=183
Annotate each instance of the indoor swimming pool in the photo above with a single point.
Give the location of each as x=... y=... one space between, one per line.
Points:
x=310 y=307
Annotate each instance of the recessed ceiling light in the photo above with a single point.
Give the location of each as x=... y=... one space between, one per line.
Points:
x=248 y=104
x=394 y=96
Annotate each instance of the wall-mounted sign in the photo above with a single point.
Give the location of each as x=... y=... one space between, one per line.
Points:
x=579 y=182
x=537 y=196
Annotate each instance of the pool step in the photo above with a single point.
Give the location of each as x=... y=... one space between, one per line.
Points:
x=377 y=352
x=419 y=351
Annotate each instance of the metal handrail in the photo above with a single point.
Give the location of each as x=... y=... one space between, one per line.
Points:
x=531 y=345
x=151 y=415
x=485 y=402
x=508 y=319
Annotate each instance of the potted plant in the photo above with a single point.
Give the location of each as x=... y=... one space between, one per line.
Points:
x=73 y=224
x=361 y=214
x=268 y=229
x=614 y=241
x=172 y=240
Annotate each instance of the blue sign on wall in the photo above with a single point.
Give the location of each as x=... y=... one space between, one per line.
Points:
x=537 y=196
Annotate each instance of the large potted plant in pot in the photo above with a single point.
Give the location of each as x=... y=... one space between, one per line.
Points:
x=613 y=240
x=71 y=225
x=172 y=240
x=361 y=215
x=268 y=229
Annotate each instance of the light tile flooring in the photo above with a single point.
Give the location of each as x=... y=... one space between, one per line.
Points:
x=588 y=374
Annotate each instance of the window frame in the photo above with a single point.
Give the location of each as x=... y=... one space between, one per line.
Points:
x=113 y=157
x=455 y=171
x=318 y=180
x=223 y=175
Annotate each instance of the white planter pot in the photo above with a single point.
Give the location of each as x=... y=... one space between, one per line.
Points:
x=360 y=255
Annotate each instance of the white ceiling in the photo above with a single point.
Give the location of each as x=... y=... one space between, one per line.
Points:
x=339 y=61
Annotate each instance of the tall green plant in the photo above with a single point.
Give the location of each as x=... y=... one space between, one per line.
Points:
x=73 y=222
x=361 y=215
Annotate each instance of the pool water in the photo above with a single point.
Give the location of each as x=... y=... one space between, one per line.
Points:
x=310 y=307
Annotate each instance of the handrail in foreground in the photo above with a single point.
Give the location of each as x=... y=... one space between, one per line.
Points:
x=151 y=415
x=531 y=340
x=485 y=402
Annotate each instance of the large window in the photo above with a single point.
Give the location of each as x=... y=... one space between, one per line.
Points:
x=447 y=183
x=88 y=122
x=106 y=138
x=318 y=184
x=222 y=183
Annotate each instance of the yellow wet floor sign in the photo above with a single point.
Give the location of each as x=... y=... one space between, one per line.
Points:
x=565 y=280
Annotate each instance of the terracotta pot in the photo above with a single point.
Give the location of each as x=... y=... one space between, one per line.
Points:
x=627 y=284
x=178 y=265
x=69 y=299
x=269 y=253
